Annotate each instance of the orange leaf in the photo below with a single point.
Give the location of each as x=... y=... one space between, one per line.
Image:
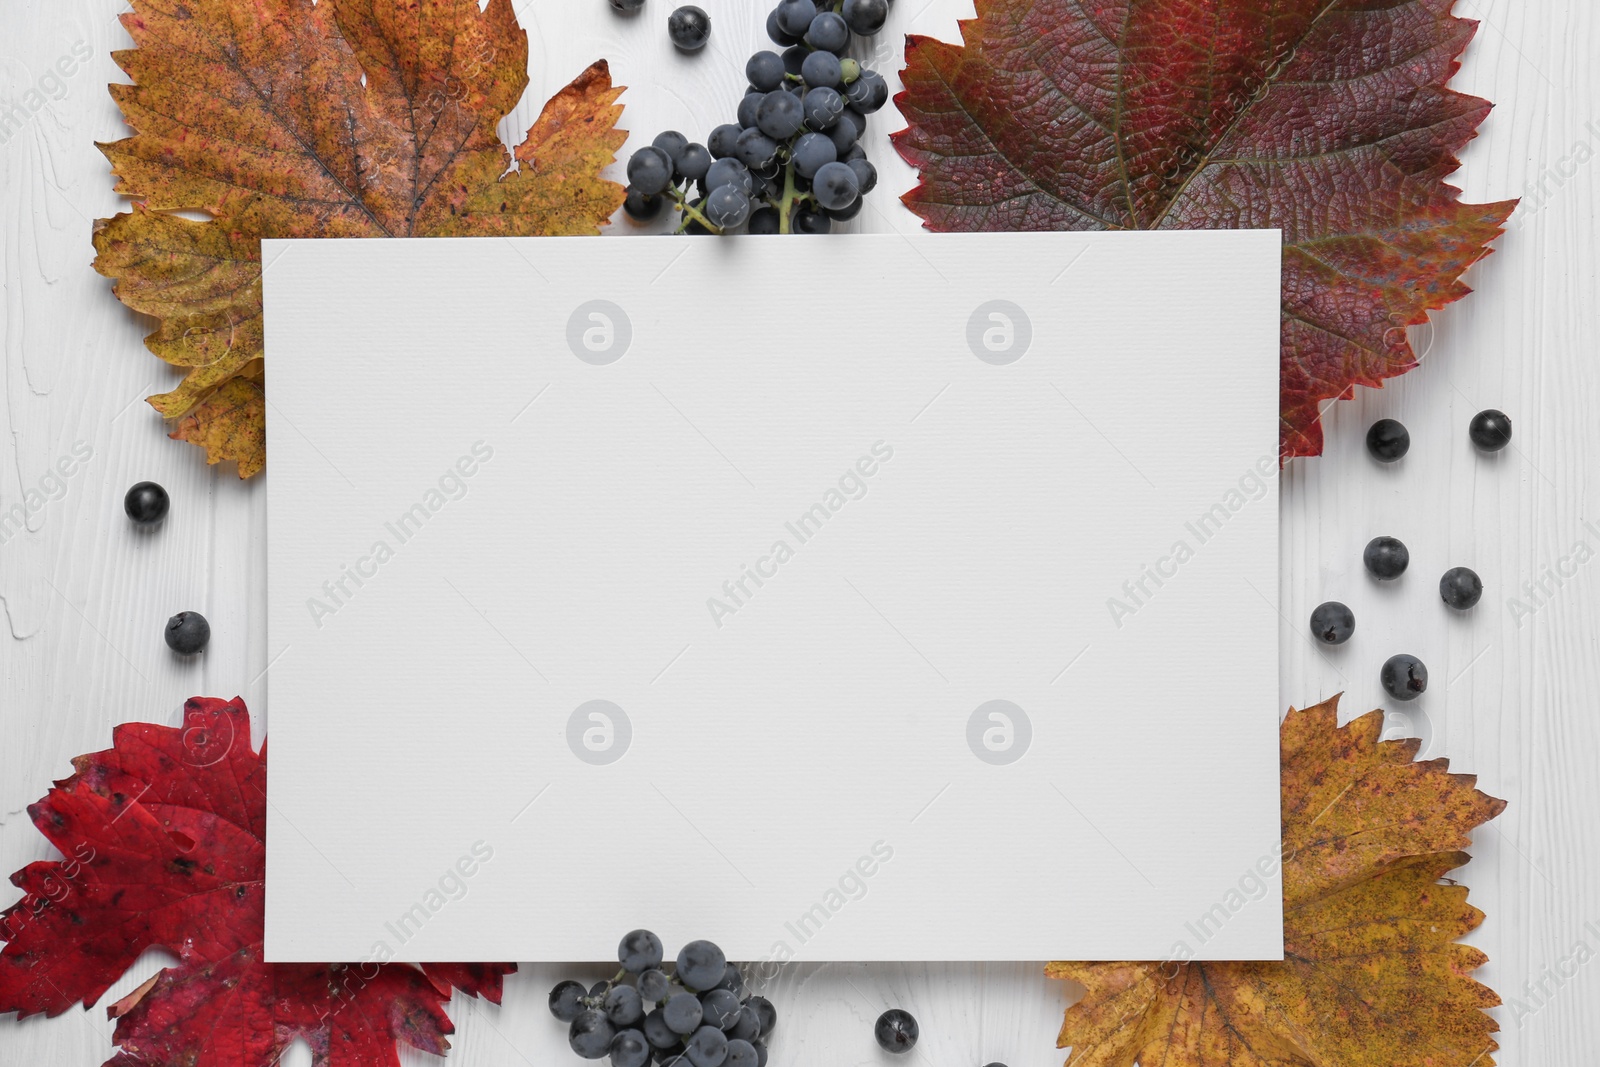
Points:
x=1371 y=974
x=345 y=118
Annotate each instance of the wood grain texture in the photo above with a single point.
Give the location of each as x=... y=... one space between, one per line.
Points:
x=1512 y=699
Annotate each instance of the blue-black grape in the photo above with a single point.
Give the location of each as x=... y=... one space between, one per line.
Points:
x=764 y=220
x=627 y=6
x=722 y=140
x=866 y=173
x=896 y=1030
x=727 y=206
x=835 y=186
x=629 y=1049
x=823 y=106
x=146 y=503
x=765 y=1013
x=650 y=170
x=761 y=1053
x=706 y=1047
x=866 y=17
x=623 y=1005
x=806 y=221
x=845 y=214
x=672 y=143
x=828 y=32
x=729 y=172
x=682 y=1013
x=812 y=152
x=794 y=16
x=657 y=1032
x=777 y=33
x=1461 y=588
x=1403 y=677
x=868 y=92
x=847 y=131
x=590 y=1034
x=755 y=149
x=689 y=27
x=701 y=964
x=741 y=1053
x=780 y=115
x=822 y=68
x=640 y=949
x=1386 y=558
x=187 y=632
x=748 y=104
x=653 y=984
x=566 y=1001
x=765 y=71
x=694 y=162
x=720 y=1008
x=794 y=58
x=1490 y=430
x=747 y=1024
x=1332 y=623
x=732 y=980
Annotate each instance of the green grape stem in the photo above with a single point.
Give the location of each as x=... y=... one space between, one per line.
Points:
x=692 y=213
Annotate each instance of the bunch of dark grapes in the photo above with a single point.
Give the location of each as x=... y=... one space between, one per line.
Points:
x=793 y=163
x=696 y=1016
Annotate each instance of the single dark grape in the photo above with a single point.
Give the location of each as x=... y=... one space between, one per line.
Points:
x=794 y=16
x=776 y=32
x=746 y=1025
x=630 y=1049
x=821 y=69
x=896 y=1030
x=694 y=162
x=732 y=980
x=722 y=140
x=623 y=1006
x=866 y=173
x=727 y=206
x=805 y=221
x=765 y=71
x=845 y=214
x=566 y=1001
x=794 y=58
x=1386 y=558
x=720 y=1008
x=868 y=92
x=835 y=186
x=812 y=152
x=653 y=984
x=590 y=1034
x=682 y=1013
x=689 y=27
x=627 y=7
x=1460 y=588
x=866 y=17
x=1332 y=623
x=741 y=1053
x=1404 y=677
x=650 y=170
x=706 y=1047
x=764 y=220
x=1388 y=440
x=766 y=1014
x=1490 y=430
x=823 y=106
x=847 y=131
x=146 y=503
x=188 y=632
x=780 y=115
x=761 y=1053
x=656 y=1030
x=729 y=172
x=828 y=33
x=746 y=111
x=642 y=207
x=701 y=965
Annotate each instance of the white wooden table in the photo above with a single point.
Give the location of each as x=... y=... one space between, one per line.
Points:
x=1513 y=699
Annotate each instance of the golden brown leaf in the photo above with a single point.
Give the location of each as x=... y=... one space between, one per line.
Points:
x=345 y=118
x=1371 y=974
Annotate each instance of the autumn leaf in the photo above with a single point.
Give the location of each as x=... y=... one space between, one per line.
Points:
x=163 y=839
x=1327 y=119
x=1371 y=974
x=346 y=118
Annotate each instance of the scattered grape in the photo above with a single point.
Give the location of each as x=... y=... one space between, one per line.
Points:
x=188 y=632
x=1460 y=588
x=1388 y=440
x=1386 y=558
x=1403 y=677
x=627 y=7
x=896 y=1030
x=1333 y=623
x=1490 y=430
x=689 y=27
x=146 y=503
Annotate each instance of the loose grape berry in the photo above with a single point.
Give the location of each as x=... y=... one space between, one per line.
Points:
x=627 y=7
x=1403 y=677
x=1388 y=440
x=701 y=965
x=1386 y=558
x=188 y=632
x=566 y=1001
x=590 y=1034
x=146 y=503
x=764 y=221
x=1460 y=588
x=1490 y=430
x=1333 y=623
x=896 y=1030
x=689 y=27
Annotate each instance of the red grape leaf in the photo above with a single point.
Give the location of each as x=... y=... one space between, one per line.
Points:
x=163 y=836
x=1327 y=119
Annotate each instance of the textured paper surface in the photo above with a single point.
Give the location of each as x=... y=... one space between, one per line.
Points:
x=852 y=598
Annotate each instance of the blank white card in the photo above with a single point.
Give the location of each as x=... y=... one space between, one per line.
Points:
x=846 y=598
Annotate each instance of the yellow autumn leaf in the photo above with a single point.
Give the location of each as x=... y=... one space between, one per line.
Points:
x=344 y=118
x=1372 y=975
